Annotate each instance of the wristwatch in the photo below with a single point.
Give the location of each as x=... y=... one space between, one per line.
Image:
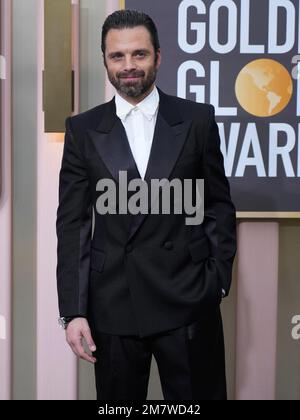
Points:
x=63 y=321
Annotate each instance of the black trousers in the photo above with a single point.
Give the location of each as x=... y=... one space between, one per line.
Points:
x=190 y=360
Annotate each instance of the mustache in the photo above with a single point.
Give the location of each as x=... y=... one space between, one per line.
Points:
x=131 y=74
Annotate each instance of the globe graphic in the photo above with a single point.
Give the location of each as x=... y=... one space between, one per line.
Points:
x=264 y=88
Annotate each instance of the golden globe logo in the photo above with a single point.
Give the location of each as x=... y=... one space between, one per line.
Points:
x=264 y=88
x=239 y=55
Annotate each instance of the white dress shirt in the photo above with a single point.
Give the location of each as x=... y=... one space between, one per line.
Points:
x=139 y=123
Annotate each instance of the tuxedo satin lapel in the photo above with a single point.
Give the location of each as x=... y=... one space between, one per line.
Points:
x=166 y=146
x=114 y=150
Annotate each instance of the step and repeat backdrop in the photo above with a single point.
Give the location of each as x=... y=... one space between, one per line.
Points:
x=243 y=57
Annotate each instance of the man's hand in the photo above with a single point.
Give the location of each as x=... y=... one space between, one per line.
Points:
x=76 y=330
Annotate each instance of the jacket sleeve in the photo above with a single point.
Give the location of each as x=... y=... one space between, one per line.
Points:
x=219 y=212
x=73 y=229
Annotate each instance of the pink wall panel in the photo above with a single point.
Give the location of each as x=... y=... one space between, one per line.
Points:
x=257 y=310
x=5 y=208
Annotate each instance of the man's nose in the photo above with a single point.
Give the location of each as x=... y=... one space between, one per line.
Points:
x=129 y=64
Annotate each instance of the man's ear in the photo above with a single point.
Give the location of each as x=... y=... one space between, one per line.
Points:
x=104 y=61
x=158 y=58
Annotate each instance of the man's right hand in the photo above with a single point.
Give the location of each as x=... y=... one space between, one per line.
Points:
x=77 y=330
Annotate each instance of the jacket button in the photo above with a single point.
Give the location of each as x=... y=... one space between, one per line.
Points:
x=129 y=248
x=168 y=245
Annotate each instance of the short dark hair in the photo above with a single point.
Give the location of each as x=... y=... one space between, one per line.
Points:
x=130 y=19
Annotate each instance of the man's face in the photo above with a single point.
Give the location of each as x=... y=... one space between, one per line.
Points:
x=130 y=61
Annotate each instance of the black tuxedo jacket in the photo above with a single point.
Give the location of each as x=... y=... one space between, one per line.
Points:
x=145 y=273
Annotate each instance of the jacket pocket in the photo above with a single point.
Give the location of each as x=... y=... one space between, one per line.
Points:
x=199 y=249
x=97 y=259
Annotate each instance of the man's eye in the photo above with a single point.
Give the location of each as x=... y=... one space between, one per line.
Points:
x=140 y=54
x=116 y=57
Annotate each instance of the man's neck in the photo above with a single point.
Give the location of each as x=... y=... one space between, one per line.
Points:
x=135 y=101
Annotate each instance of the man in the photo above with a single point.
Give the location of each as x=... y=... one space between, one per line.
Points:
x=144 y=284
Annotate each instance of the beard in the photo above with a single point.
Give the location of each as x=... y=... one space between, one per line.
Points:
x=134 y=88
